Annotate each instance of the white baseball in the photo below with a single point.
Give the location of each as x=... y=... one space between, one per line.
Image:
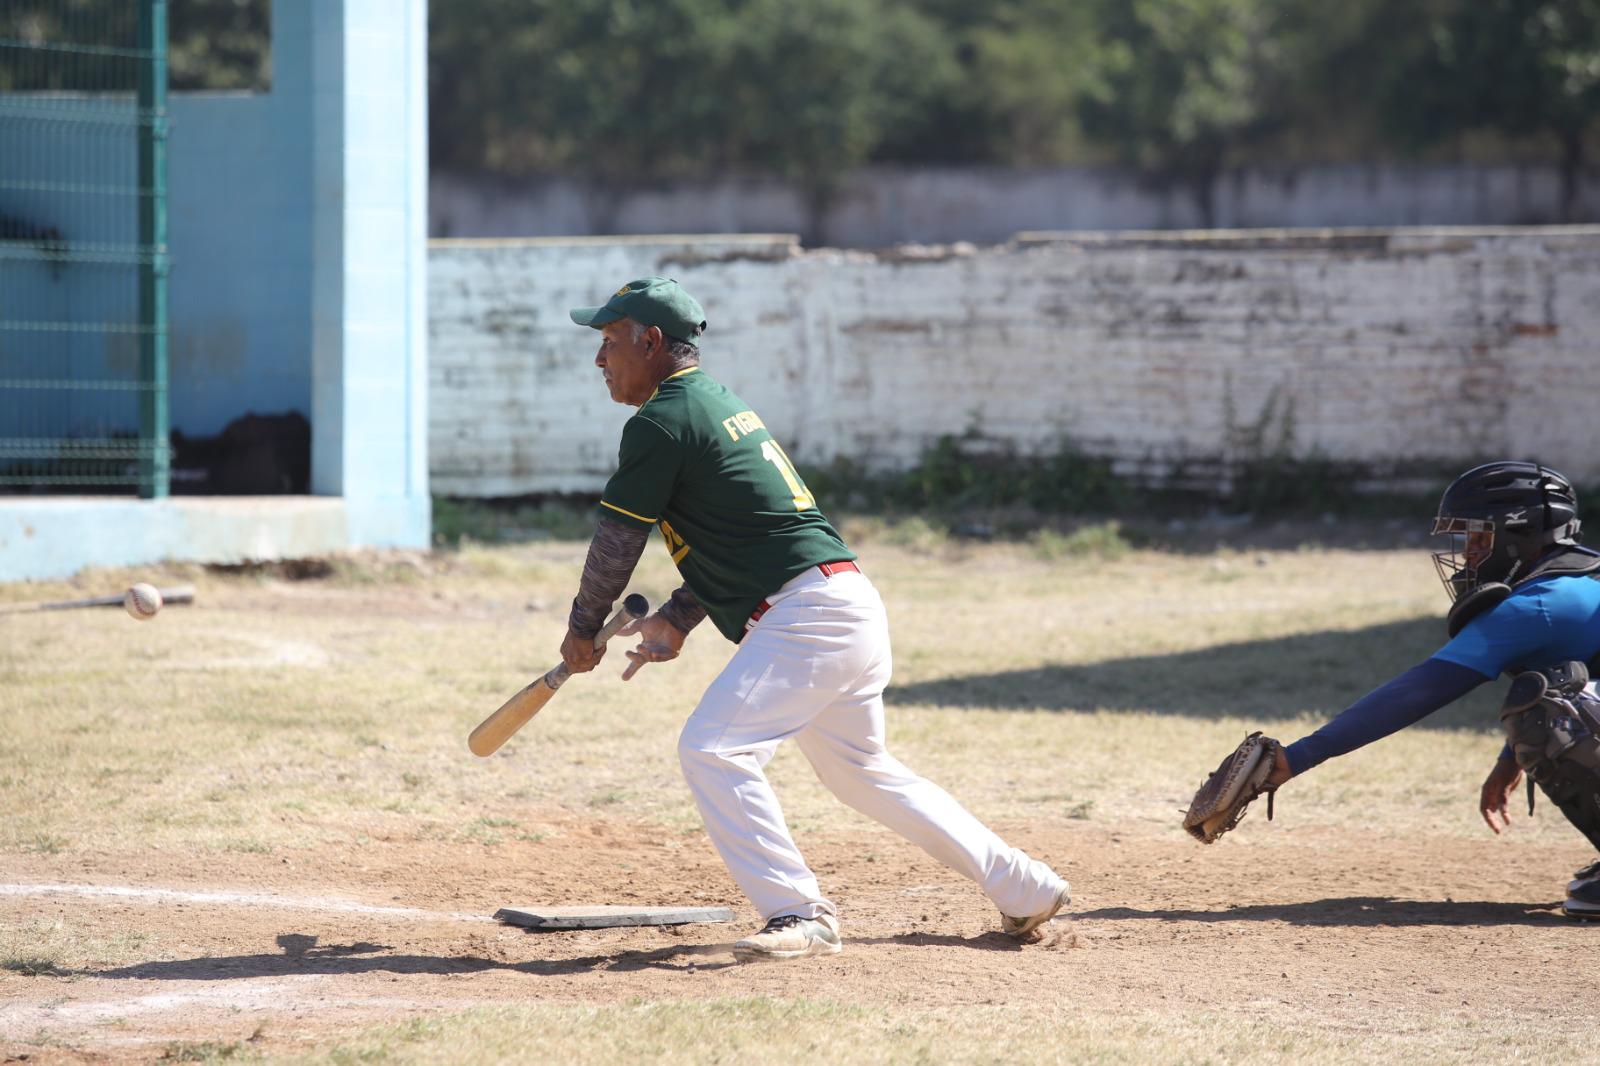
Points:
x=142 y=601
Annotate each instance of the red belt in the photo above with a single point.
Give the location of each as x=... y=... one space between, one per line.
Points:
x=843 y=566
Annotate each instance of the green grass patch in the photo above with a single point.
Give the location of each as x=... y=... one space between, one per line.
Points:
x=30 y=965
x=511 y=521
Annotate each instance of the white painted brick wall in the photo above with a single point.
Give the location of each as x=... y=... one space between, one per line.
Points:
x=1445 y=345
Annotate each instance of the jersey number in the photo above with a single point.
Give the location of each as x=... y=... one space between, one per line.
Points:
x=774 y=455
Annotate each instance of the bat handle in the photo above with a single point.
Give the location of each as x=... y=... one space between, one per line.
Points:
x=494 y=730
x=633 y=608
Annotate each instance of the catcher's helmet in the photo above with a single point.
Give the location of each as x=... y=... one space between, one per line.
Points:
x=1501 y=517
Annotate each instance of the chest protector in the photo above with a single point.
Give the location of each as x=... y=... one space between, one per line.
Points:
x=1569 y=561
x=1552 y=723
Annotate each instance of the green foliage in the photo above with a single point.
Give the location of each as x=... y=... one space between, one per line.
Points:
x=1101 y=540
x=30 y=965
x=615 y=88
x=456 y=521
x=958 y=478
x=1177 y=84
x=1519 y=68
x=205 y=1051
x=1031 y=63
x=220 y=44
x=1266 y=474
x=640 y=90
x=211 y=44
x=847 y=71
x=645 y=89
x=968 y=472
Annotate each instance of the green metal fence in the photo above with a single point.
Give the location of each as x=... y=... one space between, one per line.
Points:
x=83 y=246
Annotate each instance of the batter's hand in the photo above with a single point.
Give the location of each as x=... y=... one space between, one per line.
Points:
x=659 y=641
x=1495 y=798
x=580 y=654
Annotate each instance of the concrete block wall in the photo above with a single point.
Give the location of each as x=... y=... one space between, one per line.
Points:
x=880 y=206
x=1152 y=348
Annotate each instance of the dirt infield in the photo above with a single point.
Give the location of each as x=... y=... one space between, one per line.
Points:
x=252 y=832
x=295 y=957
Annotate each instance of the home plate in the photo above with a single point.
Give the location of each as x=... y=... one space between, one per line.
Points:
x=554 y=918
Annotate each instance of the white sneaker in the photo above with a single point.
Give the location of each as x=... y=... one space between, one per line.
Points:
x=1583 y=902
x=1584 y=876
x=789 y=936
x=1021 y=927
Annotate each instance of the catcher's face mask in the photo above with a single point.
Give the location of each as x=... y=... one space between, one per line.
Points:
x=1470 y=545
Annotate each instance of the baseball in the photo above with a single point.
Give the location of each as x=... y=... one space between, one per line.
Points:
x=142 y=601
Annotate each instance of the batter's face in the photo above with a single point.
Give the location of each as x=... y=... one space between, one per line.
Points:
x=630 y=360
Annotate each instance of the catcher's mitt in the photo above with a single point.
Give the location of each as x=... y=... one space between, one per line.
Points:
x=1220 y=803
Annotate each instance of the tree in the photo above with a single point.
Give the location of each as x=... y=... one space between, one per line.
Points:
x=1031 y=62
x=814 y=88
x=1522 y=68
x=609 y=87
x=629 y=90
x=211 y=44
x=1178 y=86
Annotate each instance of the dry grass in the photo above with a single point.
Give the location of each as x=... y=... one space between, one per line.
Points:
x=1033 y=682
x=748 y=1030
x=280 y=714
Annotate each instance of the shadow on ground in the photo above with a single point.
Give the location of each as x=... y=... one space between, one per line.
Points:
x=1266 y=680
x=1352 y=911
x=302 y=955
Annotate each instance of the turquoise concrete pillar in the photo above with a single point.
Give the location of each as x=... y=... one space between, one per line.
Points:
x=369 y=302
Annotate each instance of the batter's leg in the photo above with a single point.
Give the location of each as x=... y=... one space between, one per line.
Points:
x=764 y=695
x=845 y=746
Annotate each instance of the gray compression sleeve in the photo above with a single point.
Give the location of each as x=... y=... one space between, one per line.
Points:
x=613 y=553
x=683 y=611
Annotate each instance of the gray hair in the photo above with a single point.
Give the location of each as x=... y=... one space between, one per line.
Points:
x=681 y=352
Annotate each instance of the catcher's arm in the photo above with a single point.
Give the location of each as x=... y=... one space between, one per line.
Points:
x=1281 y=770
x=1495 y=795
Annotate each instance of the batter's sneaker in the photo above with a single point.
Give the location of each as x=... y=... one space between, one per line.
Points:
x=1584 y=876
x=789 y=936
x=1020 y=928
x=1583 y=902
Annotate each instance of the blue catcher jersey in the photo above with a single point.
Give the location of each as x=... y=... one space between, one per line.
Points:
x=1548 y=620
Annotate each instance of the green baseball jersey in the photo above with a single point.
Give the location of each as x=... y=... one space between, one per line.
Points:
x=700 y=466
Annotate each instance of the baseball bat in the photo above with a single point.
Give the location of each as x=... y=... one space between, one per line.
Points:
x=176 y=594
x=496 y=729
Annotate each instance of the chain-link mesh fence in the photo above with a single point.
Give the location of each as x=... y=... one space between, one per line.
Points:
x=83 y=362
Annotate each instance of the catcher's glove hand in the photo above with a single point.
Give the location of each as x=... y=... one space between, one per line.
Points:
x=1220 y=803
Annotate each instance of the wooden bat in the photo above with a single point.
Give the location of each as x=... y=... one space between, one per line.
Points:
x=176 y=594
x=496 y=729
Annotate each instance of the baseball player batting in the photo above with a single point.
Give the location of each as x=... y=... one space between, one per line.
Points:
x=759 y=559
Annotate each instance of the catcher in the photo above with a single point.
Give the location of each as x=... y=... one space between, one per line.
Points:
x=1526 y=603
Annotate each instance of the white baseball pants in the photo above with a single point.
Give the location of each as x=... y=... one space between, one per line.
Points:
x=814 y=668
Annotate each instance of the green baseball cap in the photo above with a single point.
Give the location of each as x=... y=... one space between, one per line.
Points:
x=659 y=302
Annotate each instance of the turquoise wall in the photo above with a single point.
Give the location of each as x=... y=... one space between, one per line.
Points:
x=240 y=232
x=297 y=229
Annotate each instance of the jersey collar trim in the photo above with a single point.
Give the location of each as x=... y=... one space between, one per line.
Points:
x=669 y=377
